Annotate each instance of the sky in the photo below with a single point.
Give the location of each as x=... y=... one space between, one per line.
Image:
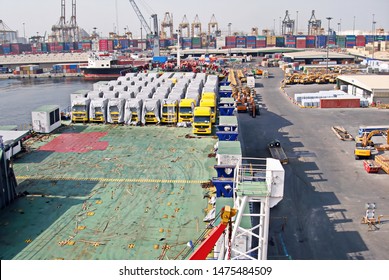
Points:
x=38 y=16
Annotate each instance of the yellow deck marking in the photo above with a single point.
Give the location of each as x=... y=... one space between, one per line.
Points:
x=116 y=180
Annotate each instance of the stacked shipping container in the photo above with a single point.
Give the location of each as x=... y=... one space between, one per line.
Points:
x=261 y=42
x=350 y=41
x=230 y=42
x=301 y=42
x=251 y=42
x=240 y=41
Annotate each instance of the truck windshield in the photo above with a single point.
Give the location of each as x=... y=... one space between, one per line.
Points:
x=202 y=119
x=186 y=110
x=79 y=108
x=168 y=109
x=114 y=109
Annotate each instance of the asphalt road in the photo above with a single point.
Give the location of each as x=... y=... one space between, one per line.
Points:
x=326 y=188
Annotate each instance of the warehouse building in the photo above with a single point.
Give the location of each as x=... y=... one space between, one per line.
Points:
x=374 y=88
x=319 y=57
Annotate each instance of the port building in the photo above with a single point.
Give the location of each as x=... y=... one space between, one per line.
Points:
x=375 y=88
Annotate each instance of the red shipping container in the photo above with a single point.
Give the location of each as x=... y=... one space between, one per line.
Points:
x=360 y=41
x=110 y=45
x=340 y=103
x=261 y=44
x=301 y=43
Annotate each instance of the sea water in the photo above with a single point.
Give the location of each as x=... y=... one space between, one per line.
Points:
x=19 y=97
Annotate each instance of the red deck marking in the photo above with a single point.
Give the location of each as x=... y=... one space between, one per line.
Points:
x=76 y=143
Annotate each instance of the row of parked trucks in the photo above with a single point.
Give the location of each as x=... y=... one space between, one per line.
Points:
x=142 y=98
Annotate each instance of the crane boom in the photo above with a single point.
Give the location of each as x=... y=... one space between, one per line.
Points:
x=141 y=17
x=154 y=35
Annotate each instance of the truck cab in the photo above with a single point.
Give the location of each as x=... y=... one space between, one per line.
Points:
x=80 y=109
x=202 y=123
x=208 y=99
x=169 y=109
x=185 y=110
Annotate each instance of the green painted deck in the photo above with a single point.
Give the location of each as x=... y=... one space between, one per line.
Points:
x=140 y=199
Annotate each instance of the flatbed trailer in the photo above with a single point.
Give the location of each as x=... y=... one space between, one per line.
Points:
x=278 y=152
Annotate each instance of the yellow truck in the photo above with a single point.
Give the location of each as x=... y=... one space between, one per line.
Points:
x=80 y=109
x=208 y=99
x=185 y=110
x=169 y=108
x=202 y=120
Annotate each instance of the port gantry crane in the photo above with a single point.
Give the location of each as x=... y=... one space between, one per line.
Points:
x=196 y=27
x=184 y=25
x=4 y=31
x=66 y=32
x=167 y=23
x=287 y=25
x=314 y=25
x=213 y=27
x=153 y=35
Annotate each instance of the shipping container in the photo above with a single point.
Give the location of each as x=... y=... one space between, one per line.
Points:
x=360 y=41
x=380 y=38
x=44 y=48
x=369 y=38
x=310 y=41
x=124 y=43
x=321 y=41
x=341 y=41
x=230 y=42
x=196 y=43
x=301 y=42
x=290 y=41
x=110 y=45
x=68 y=46
x=261 y=42
x=240 y=41
x=271 y=41
x=162 y=43
x=103 y=45
x=331 y=40
x=340 y=103
x=280 y=41
x=230 y=39
x=1 y=49
x=186 y=42
x=133 y=43
x=251 y=42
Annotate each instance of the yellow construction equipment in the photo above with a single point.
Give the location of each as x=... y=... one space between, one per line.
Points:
x=364 y=144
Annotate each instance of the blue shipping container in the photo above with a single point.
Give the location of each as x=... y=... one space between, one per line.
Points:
x=321 y=41
x=280 y=42
x=369 y=38
x=6 y=50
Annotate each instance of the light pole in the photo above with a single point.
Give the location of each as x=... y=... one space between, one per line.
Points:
x=339 y=25
x=328 y=37
x=178 y=49
x=373 y=34
x=229 y=29
x=24 y=30
x=297 y=22
x=354 y=26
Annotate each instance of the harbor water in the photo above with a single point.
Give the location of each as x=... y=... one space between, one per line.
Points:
x=19 y=97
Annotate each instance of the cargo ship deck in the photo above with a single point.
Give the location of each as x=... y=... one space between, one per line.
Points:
x=108 y=192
